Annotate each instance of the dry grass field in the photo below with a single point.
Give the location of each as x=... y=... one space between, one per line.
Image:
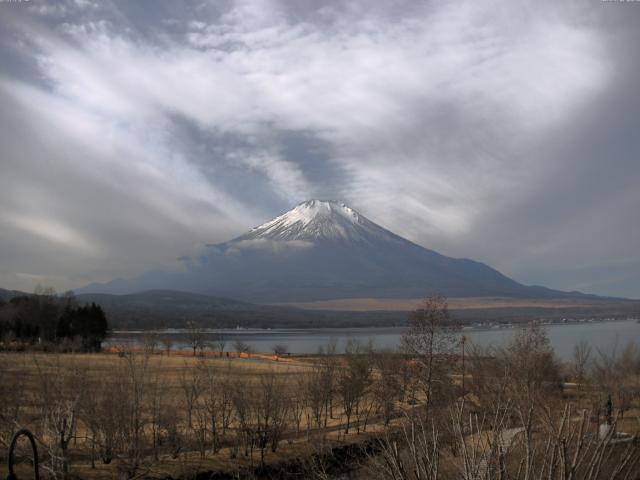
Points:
x=150 y=414
x=174 y=397
x=409 y=304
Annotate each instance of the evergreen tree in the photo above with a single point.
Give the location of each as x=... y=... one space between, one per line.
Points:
x=45 y=317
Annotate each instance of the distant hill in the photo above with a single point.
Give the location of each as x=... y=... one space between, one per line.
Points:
x=165 y=308
x=162 y=299
x=323 y=250
x=6 y=295
x=170 y=308
x=157 y=309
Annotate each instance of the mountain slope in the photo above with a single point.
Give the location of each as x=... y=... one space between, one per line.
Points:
x=325 y=250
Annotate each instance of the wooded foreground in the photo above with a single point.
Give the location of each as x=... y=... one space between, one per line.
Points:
x=439 y=408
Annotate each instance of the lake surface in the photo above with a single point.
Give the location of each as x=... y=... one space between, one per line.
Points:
x=602 y=335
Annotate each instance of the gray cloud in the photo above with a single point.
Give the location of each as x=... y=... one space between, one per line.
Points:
x=135 y=132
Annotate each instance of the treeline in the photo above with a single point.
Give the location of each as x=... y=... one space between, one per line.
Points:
x=48 y=320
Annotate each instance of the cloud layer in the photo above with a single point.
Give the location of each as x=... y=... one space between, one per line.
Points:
x=136 y=132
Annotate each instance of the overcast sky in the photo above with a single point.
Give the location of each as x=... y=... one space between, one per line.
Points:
x=135 y=132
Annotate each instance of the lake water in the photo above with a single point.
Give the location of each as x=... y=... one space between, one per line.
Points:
x=604 y=336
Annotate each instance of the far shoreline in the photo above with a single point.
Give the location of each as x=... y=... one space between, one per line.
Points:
x=463 y=327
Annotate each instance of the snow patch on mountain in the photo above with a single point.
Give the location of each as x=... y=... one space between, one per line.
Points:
x=319 y=220
x=309 y=211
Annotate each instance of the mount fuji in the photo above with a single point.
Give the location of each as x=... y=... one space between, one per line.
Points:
x=323 y=250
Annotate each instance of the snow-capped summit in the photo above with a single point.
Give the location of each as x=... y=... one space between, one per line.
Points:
x=308 y=211
x=319 y=220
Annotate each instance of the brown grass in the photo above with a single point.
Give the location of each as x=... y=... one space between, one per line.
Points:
x=408 y=304
x=30 y=368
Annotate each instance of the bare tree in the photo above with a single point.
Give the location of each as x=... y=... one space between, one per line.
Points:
x=387 y=385
x=150 y=342
x=87 y=414
x=614 y=374
x=170 y=425
x=218 y=403
x=201 y=413
x=431 y=339
x=61 y=393
x=219 y=342
x=489 y=448
x=156 y=404
x=245 y=415
x=315 y=395
x=531 y=363
x=354 y=380
x=270 y=412
x=328 y=367
x=134 y=372
x=241 y=347
x=581 y=359
x=488 y=377
x=195 y=337
x=12 y=408
x=191 y=384
x=110 y=398
x=298 y=401
x=167 y=342
x=280 y=349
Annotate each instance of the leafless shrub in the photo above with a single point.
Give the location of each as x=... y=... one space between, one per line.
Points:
x=431 y=339
x=167 y=343
x=241 y=347
x=219 y=342
x=386 y=388
x=581 y=361
x=61 y=391
x=12 y=406
x=354 y=381
x=486 y=448
x=133 y=373
x=280 y=349
x=195 y=337
x=218 y=403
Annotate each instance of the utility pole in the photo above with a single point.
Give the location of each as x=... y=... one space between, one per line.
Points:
x=463 y=341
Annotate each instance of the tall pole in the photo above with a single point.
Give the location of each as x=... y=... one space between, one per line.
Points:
x=463 y=340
